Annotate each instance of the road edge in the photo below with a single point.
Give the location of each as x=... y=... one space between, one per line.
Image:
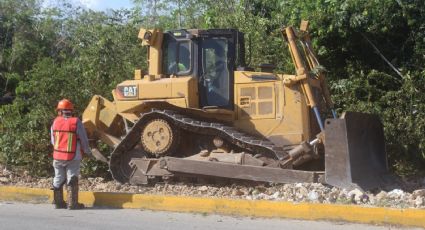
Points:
x=258 y=208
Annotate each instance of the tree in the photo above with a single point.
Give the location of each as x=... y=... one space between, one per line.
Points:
x=66 y=51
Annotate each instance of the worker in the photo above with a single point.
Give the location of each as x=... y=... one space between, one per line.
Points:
x=70 y=142
x=182 y=67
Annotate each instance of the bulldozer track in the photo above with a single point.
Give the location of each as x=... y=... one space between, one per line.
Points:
x=247 y=142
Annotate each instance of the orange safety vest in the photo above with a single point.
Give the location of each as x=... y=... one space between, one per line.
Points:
x=65 y=138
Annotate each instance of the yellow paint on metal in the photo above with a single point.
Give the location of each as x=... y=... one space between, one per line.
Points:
x=306 y=211
x=289 y=122
x=263 y=104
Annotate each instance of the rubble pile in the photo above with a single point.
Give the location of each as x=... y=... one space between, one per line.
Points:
x=406 y=194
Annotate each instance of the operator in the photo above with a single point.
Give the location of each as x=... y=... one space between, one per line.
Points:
x=182 y=67
x=70 y=142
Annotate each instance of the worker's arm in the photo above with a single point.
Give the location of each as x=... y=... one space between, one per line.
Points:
x=82 y=135
x=52 y=137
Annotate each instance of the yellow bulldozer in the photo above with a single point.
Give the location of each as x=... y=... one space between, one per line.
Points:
x=199 y=111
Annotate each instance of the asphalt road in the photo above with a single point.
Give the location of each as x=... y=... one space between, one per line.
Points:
x=41 y=216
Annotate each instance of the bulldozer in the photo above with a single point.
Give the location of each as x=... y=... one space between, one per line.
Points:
x=200 y=111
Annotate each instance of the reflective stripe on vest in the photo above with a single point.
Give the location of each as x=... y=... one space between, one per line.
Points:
x=65 y=138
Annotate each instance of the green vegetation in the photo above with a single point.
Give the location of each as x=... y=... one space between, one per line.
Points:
x=48 y=54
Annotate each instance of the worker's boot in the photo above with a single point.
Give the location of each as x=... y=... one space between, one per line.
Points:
x=58 y=197
x=73 y=194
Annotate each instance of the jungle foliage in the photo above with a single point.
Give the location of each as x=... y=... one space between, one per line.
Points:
x=67 y=51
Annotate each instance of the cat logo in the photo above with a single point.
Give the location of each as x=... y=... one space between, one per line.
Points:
x=128 y=91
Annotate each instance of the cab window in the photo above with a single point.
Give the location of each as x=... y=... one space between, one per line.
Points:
x=183 y=62
x=176 y=57
x=216 y=74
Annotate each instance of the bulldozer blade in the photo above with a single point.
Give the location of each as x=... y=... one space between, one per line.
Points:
x=355 y=155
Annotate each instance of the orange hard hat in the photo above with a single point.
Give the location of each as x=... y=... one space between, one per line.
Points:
x=65 y=104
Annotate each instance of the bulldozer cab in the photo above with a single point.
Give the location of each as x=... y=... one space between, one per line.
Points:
x=209 y=55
